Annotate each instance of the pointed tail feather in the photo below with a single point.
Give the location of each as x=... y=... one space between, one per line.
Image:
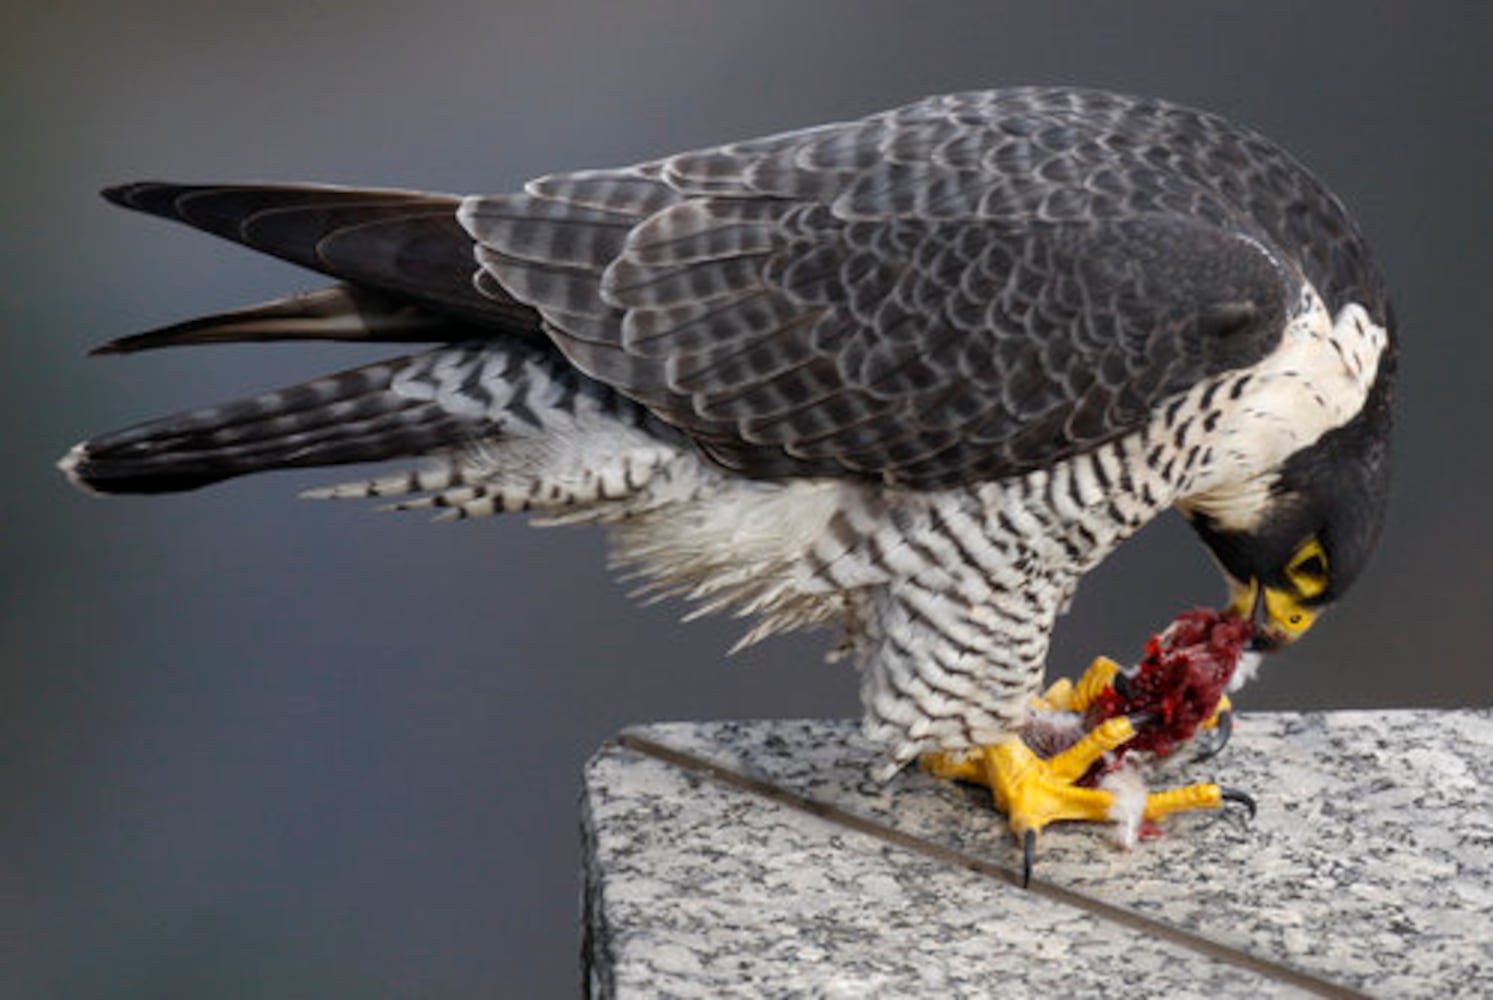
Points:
x=342 y=312
x=405 y=243
x=352 y=416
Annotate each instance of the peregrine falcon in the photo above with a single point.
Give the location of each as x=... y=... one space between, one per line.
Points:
x=912 y=376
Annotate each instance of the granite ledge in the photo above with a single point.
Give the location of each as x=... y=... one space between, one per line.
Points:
x=735 y=858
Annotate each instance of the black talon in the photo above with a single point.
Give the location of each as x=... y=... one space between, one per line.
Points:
x=1221 y=736
x=1139 y=719
x=1028 y=857
x=1243 y=798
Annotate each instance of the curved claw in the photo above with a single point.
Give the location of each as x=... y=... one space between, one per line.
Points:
x=1243 y=798
x=1223 y=731
x=1028 y=857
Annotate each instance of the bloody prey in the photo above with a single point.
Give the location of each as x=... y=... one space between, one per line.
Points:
x=1179 y=682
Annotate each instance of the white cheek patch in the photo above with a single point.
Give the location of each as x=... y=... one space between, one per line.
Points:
x=1316 y=381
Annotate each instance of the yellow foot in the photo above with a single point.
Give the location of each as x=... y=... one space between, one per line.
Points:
x=1033 y=791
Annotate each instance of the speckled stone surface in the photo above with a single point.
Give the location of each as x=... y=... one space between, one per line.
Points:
x=699 y=890
x=1369 y=867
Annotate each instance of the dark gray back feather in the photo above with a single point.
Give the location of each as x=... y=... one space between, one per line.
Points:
x=962 y=289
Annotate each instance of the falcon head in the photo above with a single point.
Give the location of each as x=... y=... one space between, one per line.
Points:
x=1313 y=524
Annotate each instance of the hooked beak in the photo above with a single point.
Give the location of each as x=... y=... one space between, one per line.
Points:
x=1279 y=618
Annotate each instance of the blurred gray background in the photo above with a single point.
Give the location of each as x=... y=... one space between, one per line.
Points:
x=252 y=746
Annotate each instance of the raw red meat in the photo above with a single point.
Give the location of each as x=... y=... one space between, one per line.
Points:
x=1179 y=682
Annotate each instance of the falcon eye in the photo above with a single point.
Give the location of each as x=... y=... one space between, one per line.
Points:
x=1307 y=569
